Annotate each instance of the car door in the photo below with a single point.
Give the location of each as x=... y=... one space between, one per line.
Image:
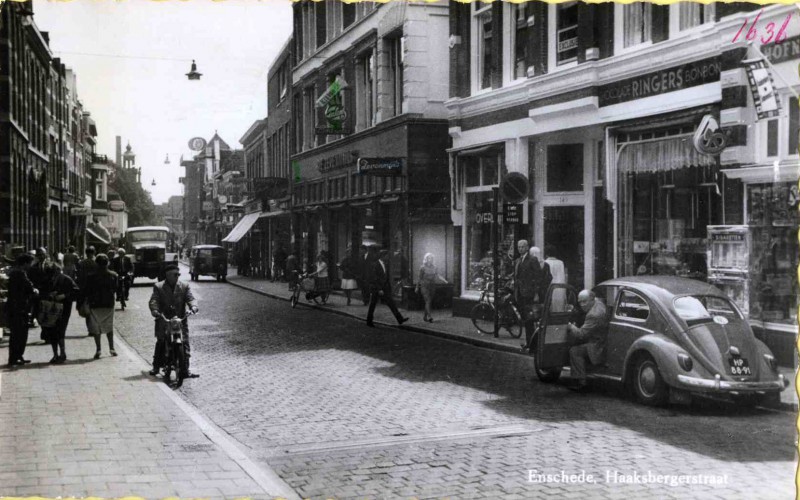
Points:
x=630 y=319
x=560 y=308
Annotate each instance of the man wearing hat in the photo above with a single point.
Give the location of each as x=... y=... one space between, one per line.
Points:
x=20 y=293
x=170 y=298
x=38 y=277
x=381 y=289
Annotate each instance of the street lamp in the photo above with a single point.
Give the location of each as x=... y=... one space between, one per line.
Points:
x=153 y=183
x=166 y=162
x=193 y=74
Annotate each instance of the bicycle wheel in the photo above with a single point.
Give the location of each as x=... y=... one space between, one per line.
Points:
x=168 y=367
x=482 y=316
x=293 y=300
x=512 y=321
x=180 y=365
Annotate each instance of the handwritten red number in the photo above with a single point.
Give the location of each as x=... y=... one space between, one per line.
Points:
x=744 y=25
x=770 y=36
x=782 y=32
x=771 y=32
x=752 y=33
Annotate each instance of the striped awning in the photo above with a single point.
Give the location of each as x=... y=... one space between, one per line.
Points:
x=241 y=228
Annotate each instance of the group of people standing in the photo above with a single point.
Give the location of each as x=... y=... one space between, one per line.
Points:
x=41 y=288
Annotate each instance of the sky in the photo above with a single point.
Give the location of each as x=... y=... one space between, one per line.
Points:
x=131 y=57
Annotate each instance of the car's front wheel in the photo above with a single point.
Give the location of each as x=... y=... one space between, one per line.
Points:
x=648 y=386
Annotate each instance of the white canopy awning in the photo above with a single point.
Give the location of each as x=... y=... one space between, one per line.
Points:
x=241 y=228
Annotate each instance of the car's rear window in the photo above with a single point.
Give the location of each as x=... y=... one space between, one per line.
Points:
x=700 y=308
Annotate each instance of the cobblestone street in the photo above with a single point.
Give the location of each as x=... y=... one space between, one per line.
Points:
x=341 y=410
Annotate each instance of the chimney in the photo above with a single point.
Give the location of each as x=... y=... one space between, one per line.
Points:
x=119 y=151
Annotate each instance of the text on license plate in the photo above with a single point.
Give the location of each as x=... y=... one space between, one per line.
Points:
x=739 y=366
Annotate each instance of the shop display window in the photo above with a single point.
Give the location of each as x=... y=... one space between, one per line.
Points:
x=772 y=217
x=479 y=215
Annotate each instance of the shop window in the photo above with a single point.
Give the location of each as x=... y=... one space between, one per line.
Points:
x=478 y=222
x=632 y=307
x=480 y=170
x=519 y=32
x=566 y=32
x=692 y=14
x=637 y=24
x=482 y=14
x=565 y=168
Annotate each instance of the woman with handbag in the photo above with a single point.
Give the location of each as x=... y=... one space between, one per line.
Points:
x=58 y=292
x=101 y=289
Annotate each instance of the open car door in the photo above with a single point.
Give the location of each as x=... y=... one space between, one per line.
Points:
x=551 y=343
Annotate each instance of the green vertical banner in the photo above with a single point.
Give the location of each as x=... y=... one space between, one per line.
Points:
x=296 y=171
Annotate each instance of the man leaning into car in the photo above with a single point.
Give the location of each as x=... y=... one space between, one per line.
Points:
x=589 y=341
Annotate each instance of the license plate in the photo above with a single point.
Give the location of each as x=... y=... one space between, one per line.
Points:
x=739 y=366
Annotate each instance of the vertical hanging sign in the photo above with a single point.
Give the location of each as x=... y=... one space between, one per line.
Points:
x=763 y=89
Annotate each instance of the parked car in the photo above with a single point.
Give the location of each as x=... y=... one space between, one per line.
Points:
x=208 y=260
x=668 y=338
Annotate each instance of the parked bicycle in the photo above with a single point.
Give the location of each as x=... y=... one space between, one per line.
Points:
x=307 y=285
x=175 y=351
x=509 y=317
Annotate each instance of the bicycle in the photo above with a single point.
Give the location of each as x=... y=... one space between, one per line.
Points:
x=122 y=289
x=307 y=285
x=509 y=317
x=175 y=349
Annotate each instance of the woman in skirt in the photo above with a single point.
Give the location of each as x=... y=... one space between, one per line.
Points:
x=60 y=288
x=428 y=277
x=350 y=268
x=101 y=288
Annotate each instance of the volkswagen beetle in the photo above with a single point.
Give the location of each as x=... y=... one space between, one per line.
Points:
x=668 y=338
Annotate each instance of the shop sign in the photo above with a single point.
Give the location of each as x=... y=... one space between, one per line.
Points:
x=116 y=205
x=738 y=238
x=80 y=211
x=660 y=82
x=337 y=161
x=512 y=213
x=786 y=50
x=763 y=89
x=484 y=218
x=197 y=144
x=335 y=114
x=382 y=167
x=708 y=138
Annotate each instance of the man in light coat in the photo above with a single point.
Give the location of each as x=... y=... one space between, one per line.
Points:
x=170 y=298
x=589 y=341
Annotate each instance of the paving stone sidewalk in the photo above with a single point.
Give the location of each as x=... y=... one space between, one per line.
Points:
x=105 y=428
x=445 y=324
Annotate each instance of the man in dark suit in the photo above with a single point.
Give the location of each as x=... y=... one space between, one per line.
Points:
x=525 y=272
x=364 y=271
x=381 y=288
x=20 y=294
x=170 y=298
x=589 y=340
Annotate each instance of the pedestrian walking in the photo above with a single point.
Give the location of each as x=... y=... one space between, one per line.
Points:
x=86 y=267
x=381 y=289
x=350 y=273
x=71 y=260
x=61 y=289
x=170 y=298
x=543 y=276
x=20 y=294
x=122 y=265
x=100 y=292
x=428 y=278
x=367 y=261
x=278 y=263
x=525 y=288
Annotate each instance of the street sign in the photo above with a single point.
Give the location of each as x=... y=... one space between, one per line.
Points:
x=512 y=213
x=116 y=205
x=380 y=166
x=514 y=187
x=197 y=144
x=80 y=211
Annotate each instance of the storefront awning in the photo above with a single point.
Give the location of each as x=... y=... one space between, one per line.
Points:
x=267 y=215
x=661 y=155
x=241 y=228
x=94 y=235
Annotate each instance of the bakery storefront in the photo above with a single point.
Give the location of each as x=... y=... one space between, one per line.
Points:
x=386 y=187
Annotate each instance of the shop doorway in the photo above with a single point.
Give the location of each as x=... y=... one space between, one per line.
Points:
x=564 y=238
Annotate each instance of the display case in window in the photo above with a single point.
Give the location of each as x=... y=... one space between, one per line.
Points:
x=729 y=262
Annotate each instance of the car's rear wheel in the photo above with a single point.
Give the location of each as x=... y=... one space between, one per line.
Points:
x=648 y=386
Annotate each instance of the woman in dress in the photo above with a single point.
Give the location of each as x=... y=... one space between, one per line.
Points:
x=322 y=282
x=60 y=288
x=428 y=277
x=101 y=289
x=350 y=269
x=559 y=273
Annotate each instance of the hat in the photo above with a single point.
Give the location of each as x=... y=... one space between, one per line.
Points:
x=171 y=267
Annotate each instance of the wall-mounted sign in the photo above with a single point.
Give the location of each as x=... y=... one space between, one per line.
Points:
x=514 y=187
x=512 y=213
x=116 y=205
x=197 y=143
x=380 y=166
x=335 y=114
x=708 y=138
x=338 y=161
x=80 y=211
x=762 y=88
x=786 y=50
x=660 y=82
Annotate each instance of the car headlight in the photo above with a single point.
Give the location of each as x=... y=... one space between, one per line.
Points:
x=770 y=359
x=685 y=361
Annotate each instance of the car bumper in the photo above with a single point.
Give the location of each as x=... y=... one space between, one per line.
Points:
x=724 y=386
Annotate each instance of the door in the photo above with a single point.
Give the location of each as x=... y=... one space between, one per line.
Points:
x=564 y=239
x=560 y=308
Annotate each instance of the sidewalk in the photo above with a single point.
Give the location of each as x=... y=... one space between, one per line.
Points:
x=445 y=325
x=104 y=428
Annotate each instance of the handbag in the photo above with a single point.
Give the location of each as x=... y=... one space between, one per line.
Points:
x=49 y=313
x=84 y=310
